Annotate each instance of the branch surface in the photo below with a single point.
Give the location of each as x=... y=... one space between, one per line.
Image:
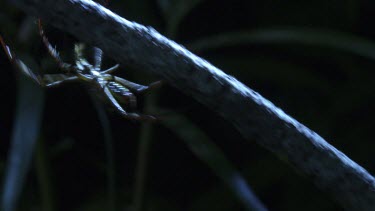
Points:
x=255 y=117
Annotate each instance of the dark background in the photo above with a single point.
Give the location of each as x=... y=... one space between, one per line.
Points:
x=323 y=77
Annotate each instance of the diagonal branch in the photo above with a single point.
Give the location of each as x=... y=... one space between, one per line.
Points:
x=255 y=117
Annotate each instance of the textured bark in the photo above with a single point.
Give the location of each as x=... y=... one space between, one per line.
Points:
x=255 y=117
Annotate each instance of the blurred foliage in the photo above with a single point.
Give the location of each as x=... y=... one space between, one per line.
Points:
x=314 y=59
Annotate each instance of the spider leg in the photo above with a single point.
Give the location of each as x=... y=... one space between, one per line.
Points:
x=52 y=51
x=53 y=80
x=7 y=50
x=136 y=87
x=155 y=85
x=131 y=85
x=111 y=69
x=20 y=65
x=98 y=54
x=48 y=80
x=120 y=110
x=27 y=71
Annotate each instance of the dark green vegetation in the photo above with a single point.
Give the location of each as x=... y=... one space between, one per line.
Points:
x=313 y=59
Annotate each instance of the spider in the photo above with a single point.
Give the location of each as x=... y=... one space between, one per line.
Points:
x=113 y=88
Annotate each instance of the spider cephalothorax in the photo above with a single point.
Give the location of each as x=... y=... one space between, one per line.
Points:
x=113 y=88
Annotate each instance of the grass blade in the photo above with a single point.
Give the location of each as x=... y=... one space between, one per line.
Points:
x=25 y=133
x=174 y=12
x=208 y=152
x=111 y=176
x=292 y=35
x=144 y=146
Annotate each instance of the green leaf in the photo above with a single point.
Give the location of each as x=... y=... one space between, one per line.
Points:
x=205 y=149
